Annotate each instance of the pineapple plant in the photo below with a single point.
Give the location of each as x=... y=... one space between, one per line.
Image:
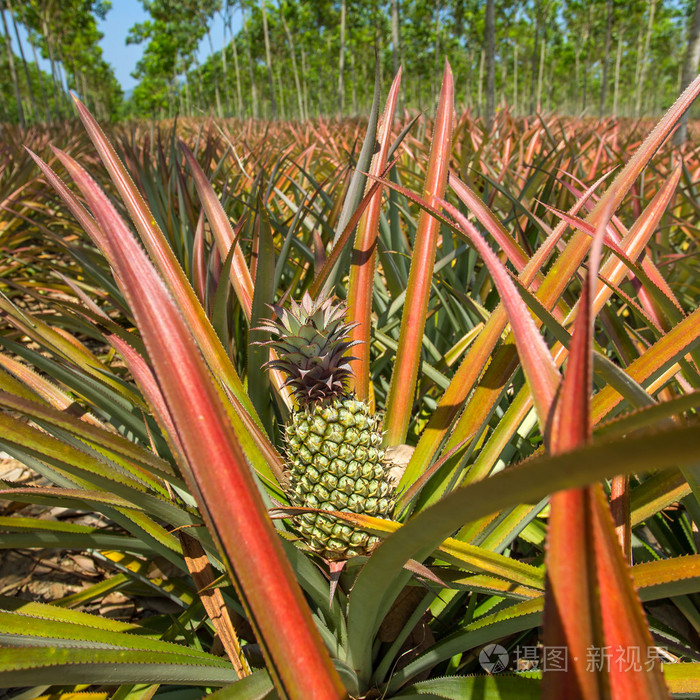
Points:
x=333 y=441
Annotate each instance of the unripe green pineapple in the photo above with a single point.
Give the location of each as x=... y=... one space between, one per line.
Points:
x=333 y=441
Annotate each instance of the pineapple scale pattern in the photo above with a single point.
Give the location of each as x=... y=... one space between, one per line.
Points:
x=336 y=464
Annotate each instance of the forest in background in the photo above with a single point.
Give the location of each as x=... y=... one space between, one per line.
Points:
x=297 y=59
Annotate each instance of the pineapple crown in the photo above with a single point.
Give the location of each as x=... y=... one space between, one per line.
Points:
x=310 y=339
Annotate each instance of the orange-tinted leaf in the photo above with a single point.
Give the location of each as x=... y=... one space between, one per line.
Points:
x=164 y=259
x=219 y=473
x=361 y=281
x=223 y=233
x=420 y=279
x=590 y=602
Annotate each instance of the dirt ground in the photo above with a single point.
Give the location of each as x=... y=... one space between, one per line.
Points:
x=47 y=575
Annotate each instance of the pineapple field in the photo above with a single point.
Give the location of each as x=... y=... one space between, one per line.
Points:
x=395 y=407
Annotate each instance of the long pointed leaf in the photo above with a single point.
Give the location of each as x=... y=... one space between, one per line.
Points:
x=230 y=497
x=361 y=281
x=403 y=379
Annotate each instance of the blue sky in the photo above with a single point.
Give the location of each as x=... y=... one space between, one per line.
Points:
x=123 y=15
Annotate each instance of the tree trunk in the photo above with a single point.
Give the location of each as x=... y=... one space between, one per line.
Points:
x=378 y=33
x=436 y=68
x=480 y=82
x=395 y=40
x=690 y=69
x=504 y=72
x=54 y=72
x=587 y=64
x=45 y=99
x=200 y=84
x=188 y=98
x=13 y=72
x=397 y=49
x=268 y=60
x=540 y=72
x=490 y=32
x=80 y=77
x=280 y=90
x=253 y=88
x=182 y=98
x=293 y=52
x=457 y=34
x=217 y=93
x=226 y=17
x=341 y=61
x=644 y=60
x=470 y=78
x=237 y=71
x=354 y=82
x=515 y=79
x=618 y=61
x=606 y=58
x=577 y=81
x=236 y=66
x=535 y=56
x=304 y=73
x=63 y=80
x=172 y=108
x=30 y=90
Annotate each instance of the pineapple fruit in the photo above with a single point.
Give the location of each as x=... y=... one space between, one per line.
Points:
x=333 y=441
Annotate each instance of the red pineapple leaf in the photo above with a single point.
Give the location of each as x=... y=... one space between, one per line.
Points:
x=569 y=594
x=199 y=263
x=624 y=626
x=570 y=424
x=614 y=270
x=670 y=347
x=165 y=260
x=318 y=286
x=539 y=368
x=224 y=235
x=558 y=276
x=420 y=278
x=143 y=374
x=635 y=241
x=260 y=451
x=361 y=280
x=487 y=219
x=566 y=265
x=471 y=367
x=590 y=602
x=74 y=206
x=219 y=473
x=570 y=613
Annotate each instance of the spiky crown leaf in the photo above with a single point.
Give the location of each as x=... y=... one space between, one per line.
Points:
x=311 y=342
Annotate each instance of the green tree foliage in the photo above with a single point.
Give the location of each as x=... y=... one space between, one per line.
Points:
x=549 y=55
x=66 y=34
x=575 y=56
x=8 y=102
x=172 y=34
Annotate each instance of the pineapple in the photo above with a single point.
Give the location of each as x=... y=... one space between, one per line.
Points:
x=333 y=440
